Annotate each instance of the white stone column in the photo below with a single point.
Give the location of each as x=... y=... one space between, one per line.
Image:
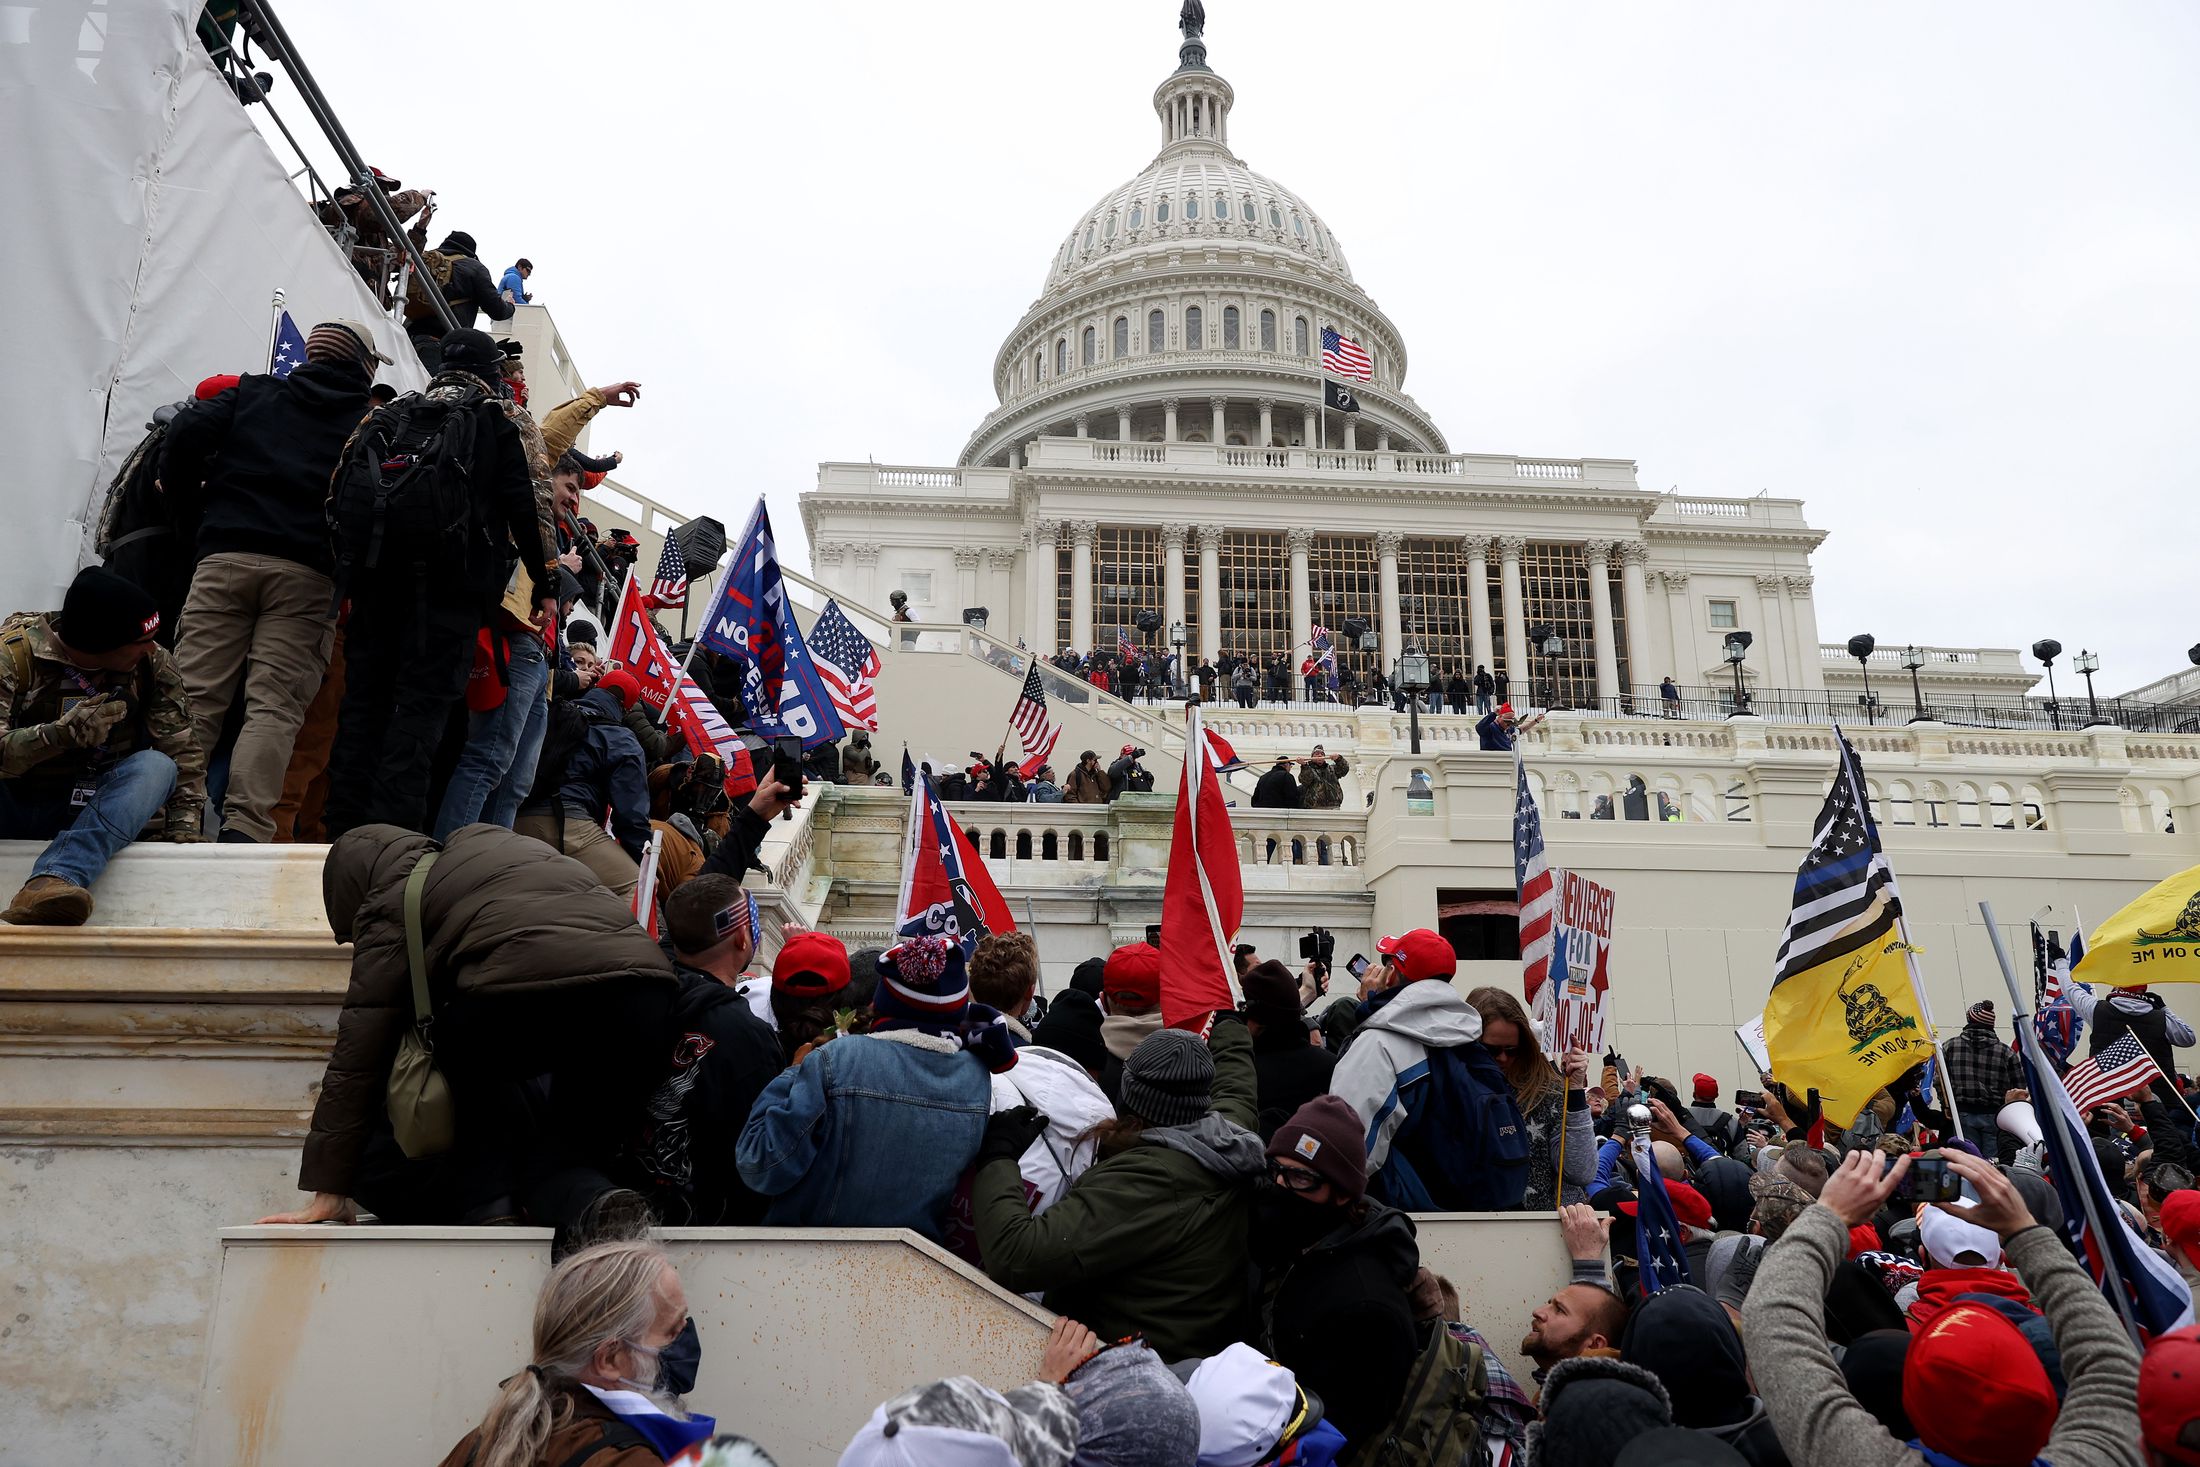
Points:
x=1168 y=423
x=831 y=556
x=1267 y=422
x=866 y=584
x=966 y=579
x=1599 y=554
x=1382 y=440
x=1520 y=676
x=1387 y=543
x=1770 y=650
x=1310 y=439
x=1084 y=426
x=1301 y=540
x=1477 y=548
x=1813 y=666
x=1016 y=456
x=1210 y=592
x=1039 y=586
x=1220 y=406
x=1172 y=583
x=1122 y=425
x=1684 y=654
x=1000 y=589
x=1634 y=598
x=1080 y=584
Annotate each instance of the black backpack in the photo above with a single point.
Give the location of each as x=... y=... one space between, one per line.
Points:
x=1464 y=1146
x=403 y=495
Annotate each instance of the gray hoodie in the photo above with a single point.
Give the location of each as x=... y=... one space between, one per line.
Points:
x=1390 y=1043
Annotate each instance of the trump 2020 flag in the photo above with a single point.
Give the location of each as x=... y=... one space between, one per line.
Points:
x=749 y=621
x=2155 y=1298
x=290 y=348
x=945 y=889
x=1203 y=898
x=633 y=644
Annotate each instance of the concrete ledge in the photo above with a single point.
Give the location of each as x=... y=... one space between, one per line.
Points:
x=259 y=888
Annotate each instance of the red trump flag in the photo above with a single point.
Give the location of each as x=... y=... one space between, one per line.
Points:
x=1203 y=901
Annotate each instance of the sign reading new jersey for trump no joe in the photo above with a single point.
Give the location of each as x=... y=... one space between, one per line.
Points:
x=1581 y=948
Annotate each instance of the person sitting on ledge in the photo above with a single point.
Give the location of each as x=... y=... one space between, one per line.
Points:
x=95 y=740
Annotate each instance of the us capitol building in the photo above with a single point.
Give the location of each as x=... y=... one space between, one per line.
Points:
x=1161 y=447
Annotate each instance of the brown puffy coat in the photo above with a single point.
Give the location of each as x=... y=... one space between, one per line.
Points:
x=500 y=912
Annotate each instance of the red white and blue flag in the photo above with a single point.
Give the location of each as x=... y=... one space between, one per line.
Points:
x=1532 y=883
x=632 y=643
x=1346 y=357
x=1325 y=653
x=1661 y=1258
x=669 y=589
x=2153 y=1298
x=945 y=889
x=2123 y=1068
x=848 y=664
x=289 y=352
x=1034 y=728
x=751 y=623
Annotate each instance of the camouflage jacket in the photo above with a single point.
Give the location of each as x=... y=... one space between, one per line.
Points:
x=1320 y=787
x=539 y=464
x=36 y=688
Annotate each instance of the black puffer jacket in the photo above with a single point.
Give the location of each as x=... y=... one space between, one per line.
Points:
x=500 y=912
x=1338 y=1316
x=1686 y=1339
x=1277 y=790
x=722 y=1057
x=471 y=289
x=257 y=459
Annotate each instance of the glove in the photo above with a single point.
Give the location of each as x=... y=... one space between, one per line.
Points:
x=87 y=725
x=1009 y=1134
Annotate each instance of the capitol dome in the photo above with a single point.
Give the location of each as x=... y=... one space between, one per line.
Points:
x=1203 y=285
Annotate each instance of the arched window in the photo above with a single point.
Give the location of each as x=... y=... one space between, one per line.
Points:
x=1023 y=845
x=1138 y=215
x=1061 y=356
x=1230 y=328
x=1298 y=336
x=1099 y=845
x=1222 y=208
x=997 y=847
x=1267 y=330
x=1245 y=209
x=1109 y=231
x=1050 y=847
x=1157 y=331
x=1122 y=336
x=1191 y=328
x=1091 y=346
x=1298 y=225
x=1275 y=218
x=1077 y=845
x=1191 y=206
x=1038 y=366
x=1088 y=236
x=1161 y=211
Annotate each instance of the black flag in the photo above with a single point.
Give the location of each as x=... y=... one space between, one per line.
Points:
x=1335 y=396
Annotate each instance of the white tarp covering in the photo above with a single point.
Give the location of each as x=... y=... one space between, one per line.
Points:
x=149 y=227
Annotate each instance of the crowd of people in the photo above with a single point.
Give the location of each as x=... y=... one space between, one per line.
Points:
x=1223 y=1215
x=1152 y=675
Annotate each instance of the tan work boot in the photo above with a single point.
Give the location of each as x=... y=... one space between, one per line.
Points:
x=48 y=901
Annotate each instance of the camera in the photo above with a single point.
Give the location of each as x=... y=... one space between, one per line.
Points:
x=1137 y=753
x=1319 y=945
x=1929 y=1180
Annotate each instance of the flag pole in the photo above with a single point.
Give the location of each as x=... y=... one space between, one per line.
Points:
x=2030 y=1041
x=274 y=327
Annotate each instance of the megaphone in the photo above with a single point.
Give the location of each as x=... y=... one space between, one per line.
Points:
x=2018 y=1120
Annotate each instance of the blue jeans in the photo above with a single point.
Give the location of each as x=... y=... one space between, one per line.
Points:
x=498 y=764
x=82 y=841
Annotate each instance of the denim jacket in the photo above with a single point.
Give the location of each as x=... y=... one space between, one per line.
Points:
x=869 y=1131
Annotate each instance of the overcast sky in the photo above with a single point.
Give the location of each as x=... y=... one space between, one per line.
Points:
x=1930 y=268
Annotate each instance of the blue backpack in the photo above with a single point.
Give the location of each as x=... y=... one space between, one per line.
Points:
x=1463 y=1147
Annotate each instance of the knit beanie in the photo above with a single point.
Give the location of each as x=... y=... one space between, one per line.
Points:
x=922 y=981
x=1072 y=1027
x=103 y=611
x=1593 y=1406
x=1090 y=977
x=1981 y=1012
x=1169 y=1079
x=1325 y=1136
x=1271 y=994
x=1975 y=1390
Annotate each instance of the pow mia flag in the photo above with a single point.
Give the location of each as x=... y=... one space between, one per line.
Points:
x=1335 y=396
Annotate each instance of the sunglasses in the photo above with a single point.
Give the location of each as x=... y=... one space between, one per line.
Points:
x=1291 y=1179
x=1502 y=1048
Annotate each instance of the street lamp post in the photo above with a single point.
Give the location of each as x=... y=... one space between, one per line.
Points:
x=1737 y=648
x=2089 y=663
x=1176 y=639
x=1413 y=677
x=1913 y=659
x=1554 y=647
x=1860 y=648
x=2047 y=649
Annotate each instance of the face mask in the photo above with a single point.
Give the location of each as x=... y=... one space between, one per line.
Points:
x=1285 y=1224
x=677 y=1362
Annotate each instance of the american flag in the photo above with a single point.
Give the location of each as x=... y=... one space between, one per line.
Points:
x=2117 y=1071
x=1324 y=647
x=670 y=587
x=1661 y=1258
x=1029 y=717
x=1124 y=646
x=2153 y=1299
x=2057 y=1022
x=290 y=348
x=1532 y=879
x=1346 y=357
x=848 y=665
